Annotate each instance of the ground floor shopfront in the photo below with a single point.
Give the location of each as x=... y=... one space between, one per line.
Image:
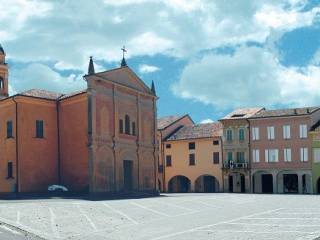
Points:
x=205 y=183
x=236 y=180
x=282 y=181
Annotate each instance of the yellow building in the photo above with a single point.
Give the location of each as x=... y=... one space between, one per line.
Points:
x=167 y=126
x=193 y=160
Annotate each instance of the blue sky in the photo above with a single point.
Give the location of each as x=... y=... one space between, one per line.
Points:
x=206 y=57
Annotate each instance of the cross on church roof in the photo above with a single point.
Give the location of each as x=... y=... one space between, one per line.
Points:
x=123 y=62
x=124 y=50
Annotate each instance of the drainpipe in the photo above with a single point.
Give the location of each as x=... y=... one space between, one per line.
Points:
x=115 y=123
x=137 y=133
x=249 y=158
x=222 y=161
x=58 y=133
x=163 y=163
x=155 y=143
x=17 y=146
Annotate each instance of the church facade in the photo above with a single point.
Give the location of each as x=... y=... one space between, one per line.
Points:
x=101 y=139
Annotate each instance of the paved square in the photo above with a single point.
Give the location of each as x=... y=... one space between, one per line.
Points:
x=171 y=216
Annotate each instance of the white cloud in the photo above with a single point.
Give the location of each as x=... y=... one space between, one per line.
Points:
x=207 y=121
x=279 y=18
x=36 y=75
x=64 y=66
x=68 y=32
x=250 y=77
x=149 y=43
x=145 y=68
x=16 y=13
x=316 y=58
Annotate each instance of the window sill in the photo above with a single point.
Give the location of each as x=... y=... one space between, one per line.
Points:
x=9 y=178
x=9 y=137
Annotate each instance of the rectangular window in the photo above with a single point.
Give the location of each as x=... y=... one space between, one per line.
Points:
x=192 y=160
x=229 y=156
x=9 y=129
x=192 y=145
x=39 y=129
x=10 y=170
x=271 y=155
x=168 y=145
x=287 y=154
x=229 y=134
x=255 y=155
x=303 y=131
x=270 y=133
x=121 y=126
x=216 y=158
x=241 y=134
x=304 y=154
x=286 y=132
x=316 y=155
x=133 y=128
x=216 y=142
x=240 y=157
x=255 y=133
x=168 y=161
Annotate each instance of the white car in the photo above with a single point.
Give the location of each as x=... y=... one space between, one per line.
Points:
x=57 y=188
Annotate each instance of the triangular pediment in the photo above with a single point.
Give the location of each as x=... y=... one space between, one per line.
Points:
x=126 y=77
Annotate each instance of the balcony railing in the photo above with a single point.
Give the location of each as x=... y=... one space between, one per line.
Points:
x=235 y=165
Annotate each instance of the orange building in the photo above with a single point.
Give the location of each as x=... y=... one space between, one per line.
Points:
x=101 y=139
x=191 y=155
x=167 y=126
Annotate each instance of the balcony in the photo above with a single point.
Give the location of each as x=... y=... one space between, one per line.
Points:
x=236 y=165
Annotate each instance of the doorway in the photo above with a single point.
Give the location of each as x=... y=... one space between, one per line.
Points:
x=179 y=184
x=267 y=183
x=243 y=183
x=127 y=175
x=290 y=183
x=230 y=183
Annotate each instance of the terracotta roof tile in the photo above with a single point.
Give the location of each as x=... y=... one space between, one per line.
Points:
x=285 y=112
x=207 y=130
x=72 y=94
x=242 y=113
x=167 y=121
x=39 y=93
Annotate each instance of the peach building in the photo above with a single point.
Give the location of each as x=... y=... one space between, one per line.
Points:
x=236 y=153
x=167 y=126
x=281 y=149
x=101 y=139
x=193 y=159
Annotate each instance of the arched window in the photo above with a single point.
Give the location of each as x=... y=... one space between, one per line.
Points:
x=133 y=128
x=1 y=83
x=121 y=125
x=127 y=125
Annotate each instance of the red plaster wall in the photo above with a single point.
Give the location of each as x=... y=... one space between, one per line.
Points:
x=73 y=142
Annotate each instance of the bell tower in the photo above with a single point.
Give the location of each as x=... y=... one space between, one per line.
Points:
x=3 y=74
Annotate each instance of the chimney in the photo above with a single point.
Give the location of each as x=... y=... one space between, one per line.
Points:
x=295 y=111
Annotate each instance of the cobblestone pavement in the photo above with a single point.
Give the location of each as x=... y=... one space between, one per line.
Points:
x=170 y=216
